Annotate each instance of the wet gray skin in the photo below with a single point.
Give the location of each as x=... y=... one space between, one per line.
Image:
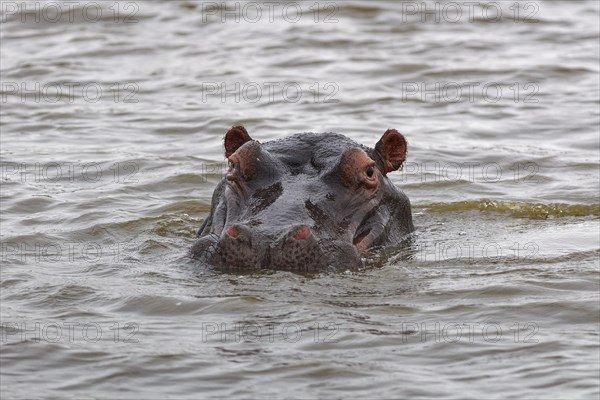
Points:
x=310 y=202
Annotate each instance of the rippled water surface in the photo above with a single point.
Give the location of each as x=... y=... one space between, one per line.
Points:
x=112 y=127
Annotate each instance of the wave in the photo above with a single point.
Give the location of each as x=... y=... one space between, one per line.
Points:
x=517 y=209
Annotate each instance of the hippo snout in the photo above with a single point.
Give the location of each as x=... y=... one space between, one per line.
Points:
x=297 y=249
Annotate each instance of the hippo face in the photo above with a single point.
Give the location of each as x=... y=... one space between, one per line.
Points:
x=309 y=202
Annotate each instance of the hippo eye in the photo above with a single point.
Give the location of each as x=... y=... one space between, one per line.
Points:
x=369 y=171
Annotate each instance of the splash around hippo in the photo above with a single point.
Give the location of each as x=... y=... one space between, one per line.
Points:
x=309 y=202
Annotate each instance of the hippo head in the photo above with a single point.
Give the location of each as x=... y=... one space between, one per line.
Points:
x=306 y=203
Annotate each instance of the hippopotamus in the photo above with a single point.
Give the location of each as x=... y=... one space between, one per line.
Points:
x=309 y=202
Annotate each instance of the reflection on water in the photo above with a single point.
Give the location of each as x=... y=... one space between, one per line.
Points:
x=112 y=117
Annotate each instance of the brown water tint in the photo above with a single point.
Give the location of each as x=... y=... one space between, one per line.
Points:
x=495 y=296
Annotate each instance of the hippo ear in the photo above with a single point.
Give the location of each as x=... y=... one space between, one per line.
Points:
x=391 y=151
x=235 y=138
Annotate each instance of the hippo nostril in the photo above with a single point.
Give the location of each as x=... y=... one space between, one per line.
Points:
x=301 y=233
x=233 y=232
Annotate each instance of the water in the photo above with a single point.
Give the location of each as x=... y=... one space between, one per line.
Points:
x=108 y=165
